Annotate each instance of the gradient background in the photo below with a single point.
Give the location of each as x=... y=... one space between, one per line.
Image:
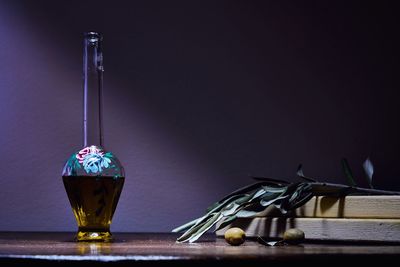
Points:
x=198 y=95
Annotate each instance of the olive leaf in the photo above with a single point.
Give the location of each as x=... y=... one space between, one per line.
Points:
x=301 y=174
x=198 y=229
x=204 y=228
x=235 y=194
x=209 y=212
x=347 y=171
x=272 y=181
x=369 y=171
x=271 y=243
x=226 y=222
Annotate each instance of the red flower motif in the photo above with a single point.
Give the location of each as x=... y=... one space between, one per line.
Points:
x=88 y=150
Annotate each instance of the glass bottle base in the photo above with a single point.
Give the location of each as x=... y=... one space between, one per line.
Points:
x=97 y=236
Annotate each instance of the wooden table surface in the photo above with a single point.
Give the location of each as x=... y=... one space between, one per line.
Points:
x=144 y=249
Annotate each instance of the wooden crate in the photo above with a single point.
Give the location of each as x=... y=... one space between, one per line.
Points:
x=352 y=218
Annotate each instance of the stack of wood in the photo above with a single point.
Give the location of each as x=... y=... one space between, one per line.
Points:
x=350 y=218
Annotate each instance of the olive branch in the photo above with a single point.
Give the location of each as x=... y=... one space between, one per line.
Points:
x=255 y=199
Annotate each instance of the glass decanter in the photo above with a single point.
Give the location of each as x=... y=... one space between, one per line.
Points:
x=93 y=177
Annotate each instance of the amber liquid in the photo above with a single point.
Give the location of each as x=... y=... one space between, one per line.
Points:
x=93 y=201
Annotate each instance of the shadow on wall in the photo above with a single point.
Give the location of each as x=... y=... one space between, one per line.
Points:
x=197 y=96
x=254 y=82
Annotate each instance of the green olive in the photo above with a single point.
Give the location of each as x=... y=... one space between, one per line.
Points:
x=235 y=236
x=293 y=236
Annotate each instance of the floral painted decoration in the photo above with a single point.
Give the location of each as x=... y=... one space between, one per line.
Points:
x=94 y=159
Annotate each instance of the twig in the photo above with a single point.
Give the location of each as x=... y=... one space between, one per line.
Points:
x=322 y=189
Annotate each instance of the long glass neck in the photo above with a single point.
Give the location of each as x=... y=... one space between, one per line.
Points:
x=92 y=90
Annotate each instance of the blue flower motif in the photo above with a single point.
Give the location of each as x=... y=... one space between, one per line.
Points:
x=94 y=160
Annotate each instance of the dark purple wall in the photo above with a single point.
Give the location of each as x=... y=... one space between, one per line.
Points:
x=197 y=96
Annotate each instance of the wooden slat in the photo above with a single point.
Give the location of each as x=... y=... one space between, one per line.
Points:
x=387 y=207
